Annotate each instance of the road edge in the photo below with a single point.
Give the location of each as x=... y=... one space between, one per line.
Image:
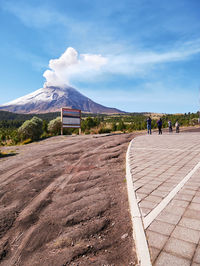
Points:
x=139 y=236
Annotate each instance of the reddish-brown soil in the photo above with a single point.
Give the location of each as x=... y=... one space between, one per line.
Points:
x=63 y=201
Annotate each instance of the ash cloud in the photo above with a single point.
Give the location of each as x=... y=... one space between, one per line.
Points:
x=71 y=66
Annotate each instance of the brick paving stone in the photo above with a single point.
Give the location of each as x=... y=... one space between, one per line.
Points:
x=180 y=203
x=194 y=180
x=169 y=184
x=144 y=190
x=191 y=187
x=154 y=253
x=154 y=198
x=137 y=186
x=156 y=240
x=145 y=211
x=159 y=193
x=164 y=188
x=197 y=255
x=187 y=234
x=193 y=214
x=175 y=210
x=141 y=195
x=181 y=196
x=188 y=191
x=161 y=227
x=168 y=217
x=140 y=180
x=159 y=164
x=181 y=248
x=171 y=180
x=165 y=259
x=164 y=176
x=194 y=206
x=155 y=182
x=147 y=204
x=190 y=223
x=178 y=178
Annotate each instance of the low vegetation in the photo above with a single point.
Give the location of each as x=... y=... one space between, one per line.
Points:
x=31 y=129
x=22 y=129
x=54 y=126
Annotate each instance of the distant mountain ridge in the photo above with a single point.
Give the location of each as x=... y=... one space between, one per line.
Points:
x=52 y=99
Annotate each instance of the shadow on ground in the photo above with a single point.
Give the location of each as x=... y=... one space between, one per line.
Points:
x=3 y=155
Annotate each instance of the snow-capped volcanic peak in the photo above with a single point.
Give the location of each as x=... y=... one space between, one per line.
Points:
x=46 y=94
x=51 y=99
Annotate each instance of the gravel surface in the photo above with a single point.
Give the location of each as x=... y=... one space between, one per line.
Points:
x=63 y=201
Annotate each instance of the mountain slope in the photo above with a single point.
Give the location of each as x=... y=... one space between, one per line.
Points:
x=51 y=99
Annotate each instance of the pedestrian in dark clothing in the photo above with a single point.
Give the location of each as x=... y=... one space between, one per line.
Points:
x=159 y=123
x=177 y=126
x=149 y=125
x=170 y=125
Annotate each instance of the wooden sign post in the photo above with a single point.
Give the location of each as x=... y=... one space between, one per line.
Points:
x=70 y=118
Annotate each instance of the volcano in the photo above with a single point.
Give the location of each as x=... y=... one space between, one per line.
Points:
x=51 y=99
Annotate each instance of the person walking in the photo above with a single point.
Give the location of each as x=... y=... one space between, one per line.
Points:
x=177 y=125
x=170 y=125
x=149 y=125
x=159 y=123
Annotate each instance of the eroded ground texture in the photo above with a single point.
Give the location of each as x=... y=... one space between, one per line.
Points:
x=63 y=201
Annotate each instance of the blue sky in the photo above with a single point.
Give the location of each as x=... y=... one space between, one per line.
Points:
x=135 y=55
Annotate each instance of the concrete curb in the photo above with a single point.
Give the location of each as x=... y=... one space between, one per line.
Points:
x=137 y=223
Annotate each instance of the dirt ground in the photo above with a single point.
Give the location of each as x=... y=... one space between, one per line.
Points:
x=63 y=201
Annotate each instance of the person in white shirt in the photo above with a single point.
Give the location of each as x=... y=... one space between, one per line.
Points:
x=177 y=126
x=170 y=125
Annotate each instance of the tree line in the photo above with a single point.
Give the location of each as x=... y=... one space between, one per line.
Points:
x=17 y=128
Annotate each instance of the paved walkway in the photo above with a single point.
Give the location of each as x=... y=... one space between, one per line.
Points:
x=165 y=171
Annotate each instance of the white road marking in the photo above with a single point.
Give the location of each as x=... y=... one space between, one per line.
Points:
x=138 y=228
x=156 y=211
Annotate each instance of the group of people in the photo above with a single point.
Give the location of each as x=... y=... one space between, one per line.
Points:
x=159 y=124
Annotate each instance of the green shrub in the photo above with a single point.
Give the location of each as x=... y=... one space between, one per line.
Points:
x=54 y=126
x=131 y=127
x=3 y=137
x=114 y=126
x=45 y=126
x=104 y=130
x=31 y=129
x=121 y=126
x=89 y=123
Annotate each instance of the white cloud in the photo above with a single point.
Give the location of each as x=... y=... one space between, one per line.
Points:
x=142 y=62
x=70 y=66
x=34 y=16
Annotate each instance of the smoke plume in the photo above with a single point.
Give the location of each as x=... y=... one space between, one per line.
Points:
x=71 y=67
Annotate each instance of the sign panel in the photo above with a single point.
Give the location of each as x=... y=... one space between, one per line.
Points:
x=71 y=118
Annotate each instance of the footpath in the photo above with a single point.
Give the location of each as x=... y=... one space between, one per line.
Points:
x=163 y=180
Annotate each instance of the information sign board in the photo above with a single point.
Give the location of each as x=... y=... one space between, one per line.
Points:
x=71 y=118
